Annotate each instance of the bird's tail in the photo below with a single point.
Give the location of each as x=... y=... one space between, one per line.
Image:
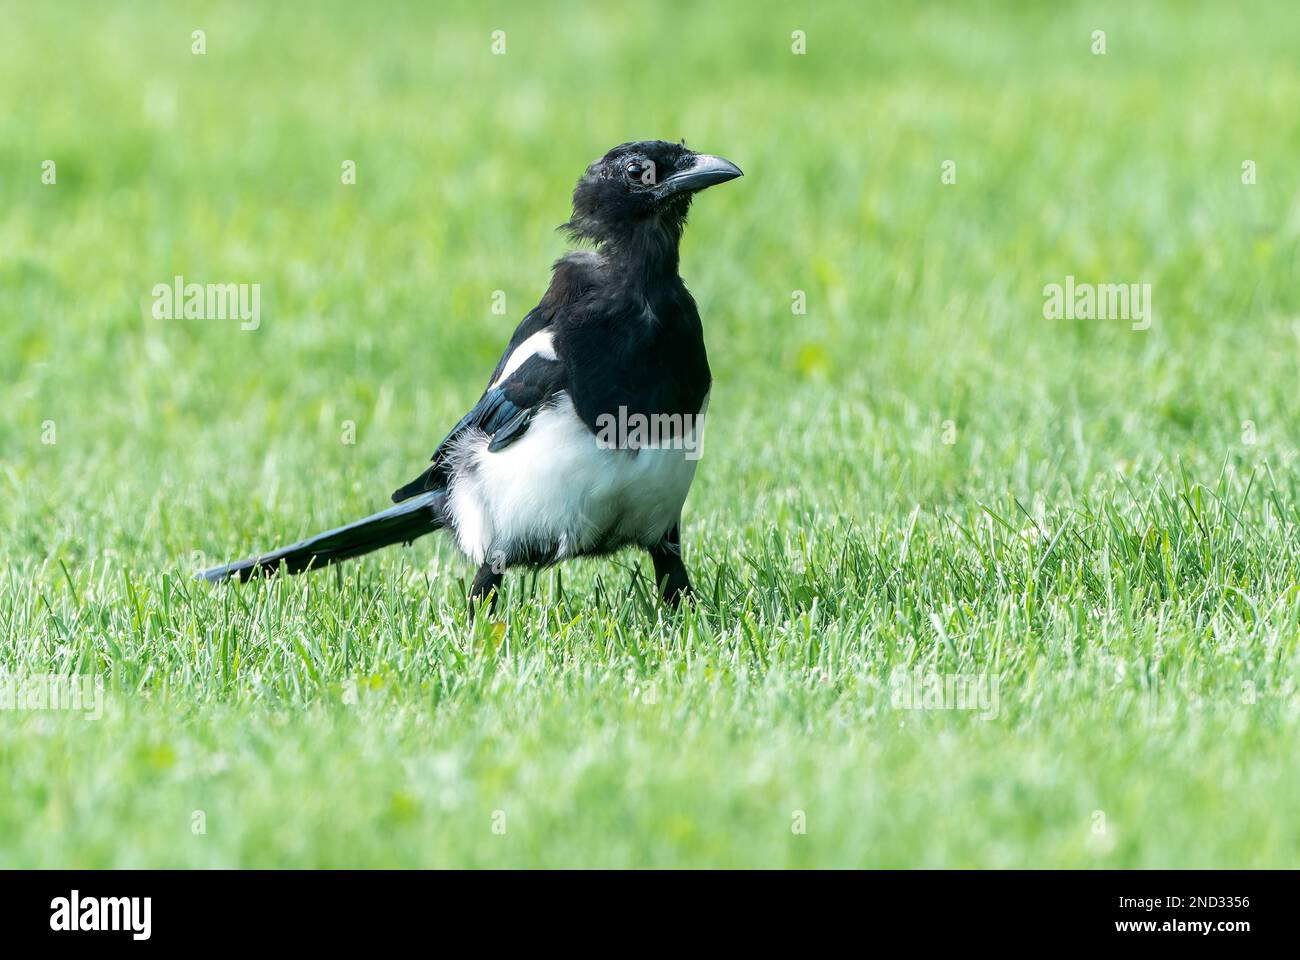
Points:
x=400 y=524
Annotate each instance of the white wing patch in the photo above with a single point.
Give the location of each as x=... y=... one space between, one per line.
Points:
x=539 y=344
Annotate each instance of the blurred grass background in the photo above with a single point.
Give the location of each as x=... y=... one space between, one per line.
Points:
x=1111 y=535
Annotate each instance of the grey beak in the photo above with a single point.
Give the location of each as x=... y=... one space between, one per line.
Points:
x=704 y=172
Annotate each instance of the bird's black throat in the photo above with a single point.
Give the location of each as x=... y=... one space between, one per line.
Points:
x=635 y=340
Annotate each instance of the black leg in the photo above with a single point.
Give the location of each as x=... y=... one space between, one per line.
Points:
x=670 y=572
x=487 y=584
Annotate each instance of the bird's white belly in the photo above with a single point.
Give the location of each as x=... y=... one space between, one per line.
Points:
x=557 y=492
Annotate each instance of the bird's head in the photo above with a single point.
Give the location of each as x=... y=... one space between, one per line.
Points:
x=649 y=183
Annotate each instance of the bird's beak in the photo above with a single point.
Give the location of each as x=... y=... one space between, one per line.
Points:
x=704 y=172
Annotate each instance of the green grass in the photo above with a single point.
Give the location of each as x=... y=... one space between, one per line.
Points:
x=1110 y=537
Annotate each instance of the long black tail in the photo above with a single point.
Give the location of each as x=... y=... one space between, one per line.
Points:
x=399 y=524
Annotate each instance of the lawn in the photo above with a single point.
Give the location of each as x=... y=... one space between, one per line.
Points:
x=916 y=480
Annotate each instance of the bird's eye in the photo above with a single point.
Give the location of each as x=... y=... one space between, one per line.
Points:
x=642 y=172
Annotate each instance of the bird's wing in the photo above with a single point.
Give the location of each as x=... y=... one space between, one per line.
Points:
x=538 y=320
x=528 y=378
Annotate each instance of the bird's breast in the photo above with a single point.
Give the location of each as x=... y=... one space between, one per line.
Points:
x=564 y=489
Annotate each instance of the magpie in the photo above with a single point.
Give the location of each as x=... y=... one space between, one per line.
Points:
x=587 y=435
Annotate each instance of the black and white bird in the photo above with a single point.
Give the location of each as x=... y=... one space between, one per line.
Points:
x=587 y=437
